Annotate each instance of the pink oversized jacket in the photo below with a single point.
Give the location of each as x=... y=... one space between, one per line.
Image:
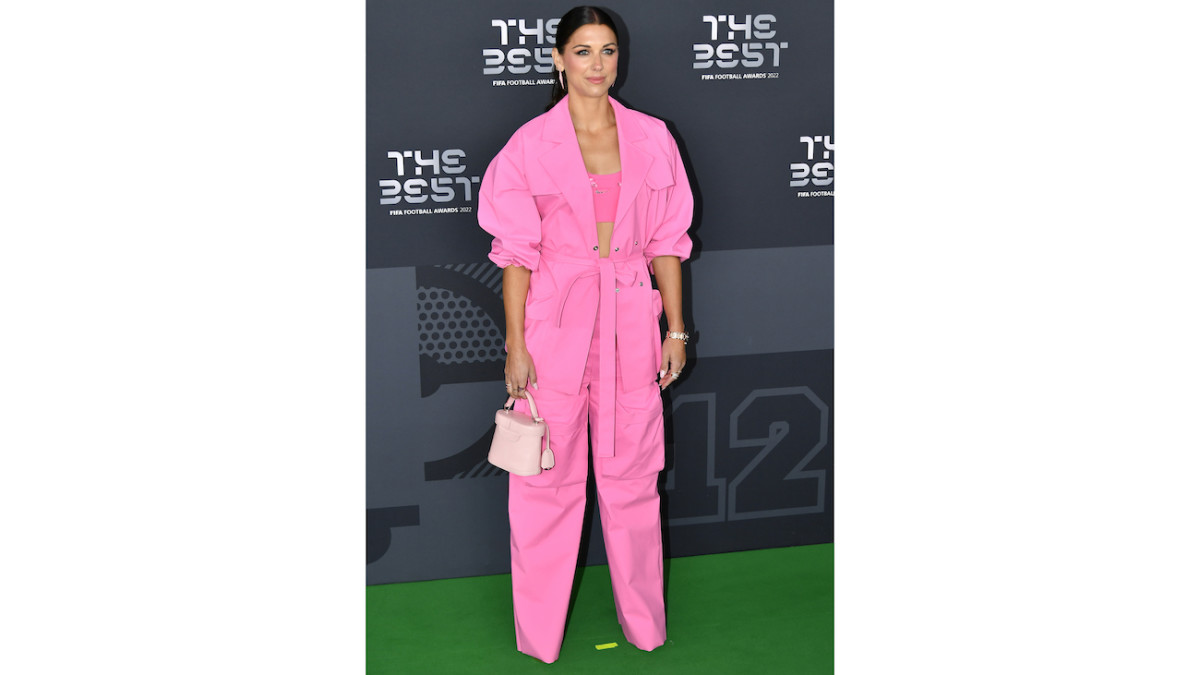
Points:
x=537 y=201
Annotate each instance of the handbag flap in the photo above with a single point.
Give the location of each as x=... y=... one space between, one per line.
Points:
x=520 y=423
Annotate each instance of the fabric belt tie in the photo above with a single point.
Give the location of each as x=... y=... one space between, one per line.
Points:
x=611 y=272
x=606 y=433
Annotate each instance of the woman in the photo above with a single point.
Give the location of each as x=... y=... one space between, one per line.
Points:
x=584 y=202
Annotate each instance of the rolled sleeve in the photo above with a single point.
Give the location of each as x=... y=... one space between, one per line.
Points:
x=508 y=212
x=670 y=236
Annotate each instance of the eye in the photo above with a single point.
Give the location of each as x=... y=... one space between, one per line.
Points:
x=610 y=51
x=581 y=52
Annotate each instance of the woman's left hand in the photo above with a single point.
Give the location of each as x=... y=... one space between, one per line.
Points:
x=673 y=359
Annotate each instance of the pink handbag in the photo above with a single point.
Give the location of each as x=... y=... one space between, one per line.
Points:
x=521 y=444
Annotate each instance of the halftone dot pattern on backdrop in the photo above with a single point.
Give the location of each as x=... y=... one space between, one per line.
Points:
x=452 y=329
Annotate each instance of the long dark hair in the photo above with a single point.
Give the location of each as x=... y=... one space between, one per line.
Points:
x=567 y=25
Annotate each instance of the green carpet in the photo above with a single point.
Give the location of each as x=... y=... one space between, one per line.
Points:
x=768 y=611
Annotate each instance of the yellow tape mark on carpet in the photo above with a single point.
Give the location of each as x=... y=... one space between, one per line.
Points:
x=609 y=645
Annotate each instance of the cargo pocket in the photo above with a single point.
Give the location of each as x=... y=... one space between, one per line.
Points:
x=566 y=422
x=639 y=435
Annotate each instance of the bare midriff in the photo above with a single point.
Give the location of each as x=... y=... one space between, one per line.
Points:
x=604 y=234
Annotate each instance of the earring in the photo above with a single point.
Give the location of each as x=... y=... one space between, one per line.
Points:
x=560 y=82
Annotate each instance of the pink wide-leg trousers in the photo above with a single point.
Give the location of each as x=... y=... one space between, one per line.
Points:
x=546 y=515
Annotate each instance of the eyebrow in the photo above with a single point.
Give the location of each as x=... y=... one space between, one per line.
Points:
x=610 y=44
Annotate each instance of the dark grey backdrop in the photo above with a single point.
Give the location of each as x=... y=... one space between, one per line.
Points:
x=747 y=88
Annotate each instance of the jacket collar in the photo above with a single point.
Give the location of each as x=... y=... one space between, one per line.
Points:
x=564 y=161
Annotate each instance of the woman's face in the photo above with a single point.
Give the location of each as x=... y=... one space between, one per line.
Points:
x=589 y=62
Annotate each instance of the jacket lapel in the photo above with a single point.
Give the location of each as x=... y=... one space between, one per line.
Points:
x=635 y=161
x=564 y=162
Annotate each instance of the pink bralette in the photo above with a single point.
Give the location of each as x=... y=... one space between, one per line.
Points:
x=606 y=189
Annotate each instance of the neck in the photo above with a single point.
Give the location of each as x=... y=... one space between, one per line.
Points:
x=590 y=114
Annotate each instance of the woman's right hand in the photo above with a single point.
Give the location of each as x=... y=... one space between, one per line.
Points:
x=519 y=372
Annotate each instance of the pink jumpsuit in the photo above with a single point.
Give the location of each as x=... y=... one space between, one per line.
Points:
x=592 y=328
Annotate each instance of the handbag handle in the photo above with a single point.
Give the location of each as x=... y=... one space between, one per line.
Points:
x=547 y=454
x=532 y=406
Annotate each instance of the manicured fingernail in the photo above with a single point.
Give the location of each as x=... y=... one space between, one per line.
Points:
x=535 y=385
x=661 y=373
